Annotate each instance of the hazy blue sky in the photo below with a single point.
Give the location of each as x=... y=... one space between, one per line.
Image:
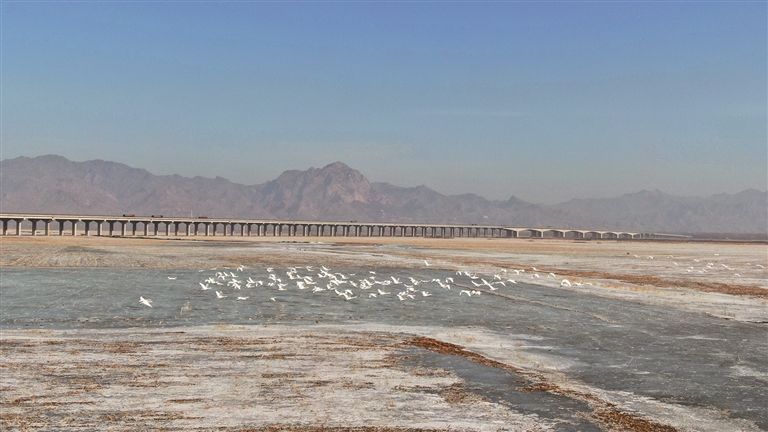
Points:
x=545 y=101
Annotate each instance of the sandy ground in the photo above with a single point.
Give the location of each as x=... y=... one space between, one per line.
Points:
x=358 y=377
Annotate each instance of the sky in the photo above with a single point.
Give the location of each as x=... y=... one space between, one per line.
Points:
x=546 y=101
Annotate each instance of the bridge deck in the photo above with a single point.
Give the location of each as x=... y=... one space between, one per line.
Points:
x=128 y=225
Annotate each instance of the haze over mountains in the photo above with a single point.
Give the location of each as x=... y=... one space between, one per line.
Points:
x=54 y=184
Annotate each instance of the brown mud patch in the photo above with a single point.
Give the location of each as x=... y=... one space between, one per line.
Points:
x=604 y=412
x=457 y=394
x=618 y=420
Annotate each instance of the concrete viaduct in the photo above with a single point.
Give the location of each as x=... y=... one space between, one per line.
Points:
x=130 y=225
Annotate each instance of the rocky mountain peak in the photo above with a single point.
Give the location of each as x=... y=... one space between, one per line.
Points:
x=53 y=184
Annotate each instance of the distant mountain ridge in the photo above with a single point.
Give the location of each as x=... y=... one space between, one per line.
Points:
x=54 y=184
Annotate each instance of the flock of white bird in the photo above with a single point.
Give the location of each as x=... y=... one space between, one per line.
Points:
x=702 y=266
x=226 y=283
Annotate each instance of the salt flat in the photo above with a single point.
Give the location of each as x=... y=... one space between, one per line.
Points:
x=639 y=344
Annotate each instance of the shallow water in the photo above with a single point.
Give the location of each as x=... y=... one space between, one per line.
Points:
x=677 y=357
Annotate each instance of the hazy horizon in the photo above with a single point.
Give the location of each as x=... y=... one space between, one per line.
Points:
x=400 y=184
x=546 y=102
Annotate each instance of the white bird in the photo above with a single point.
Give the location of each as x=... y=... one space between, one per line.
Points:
x=552 y=276
x=395 y=280
x=425 y=293
x=204 y=286
x=219 y=295
x=242 y=298
x=146 y=302
x=469 y=294
x=381 y=292
x=171 y=277
x=371 y=295
x=240 y=268
x=272 y=299
x=565 y=283
x=270 y=269
x=484 y=283
x=512 y=281
x=426 y=263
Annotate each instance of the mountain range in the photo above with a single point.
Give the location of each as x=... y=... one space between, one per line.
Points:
x=54 y=184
